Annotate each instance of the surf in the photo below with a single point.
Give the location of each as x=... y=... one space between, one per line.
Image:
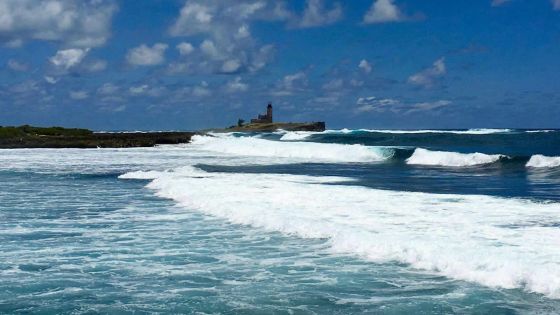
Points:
x=497 y=242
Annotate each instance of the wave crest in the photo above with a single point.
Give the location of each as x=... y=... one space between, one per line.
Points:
x=541 y=161
x=300 y=151
x=453 y=159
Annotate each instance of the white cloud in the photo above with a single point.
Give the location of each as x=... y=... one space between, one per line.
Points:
x=236 y=85
x=76 y=23
x=427 y=77
x=226 y=25
x=201 y=90
x=556 y=4
x=231 y=66
x=68 y=58
x=51 y=80
x=185 y=48
x=144 y=55
x=16 y=65
x=107 y=89
x=372 y=103
x=243 y=32
x=291 y=84
x=365 y=66
x=426 y=106
x=380 y=105
x=78 y=95
x=333 y=85
x=316 y=14
x=209 y=49
x=95 y=66
x=137 y=90
x=383 y=11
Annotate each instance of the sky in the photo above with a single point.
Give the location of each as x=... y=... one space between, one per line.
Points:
x=187 y=65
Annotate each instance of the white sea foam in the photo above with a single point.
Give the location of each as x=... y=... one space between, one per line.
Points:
x=466 y=132
x=300 y=151
x=497 y=242
x=453 y=159
x=541 y=161
x=297 y=135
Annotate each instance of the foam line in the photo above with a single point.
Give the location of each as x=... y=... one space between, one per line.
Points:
x=496 y=242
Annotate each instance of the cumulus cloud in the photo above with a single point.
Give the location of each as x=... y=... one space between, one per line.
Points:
x=228 y=46
x=231 y=66
x=428 y=77
x=365 y=66
x=16 y=65
x=76 y=23
x=317 y=14
x=185 y=48
x=108 y=89
x=291 y=84
x=383 y=11
x=145 y=55
x=236 y=85
x=201 y=90
x=68 y=58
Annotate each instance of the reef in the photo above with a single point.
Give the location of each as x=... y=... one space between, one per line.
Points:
x=58 y=137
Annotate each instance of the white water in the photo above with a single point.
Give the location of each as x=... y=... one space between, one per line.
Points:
x=497 y=242
x=299 y=151
x=466 y=132
x=297 y=135
x=453 y=159
x=541 y=161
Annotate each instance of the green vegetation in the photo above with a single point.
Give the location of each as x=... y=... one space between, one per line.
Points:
x=29 y=131
x=58 y=137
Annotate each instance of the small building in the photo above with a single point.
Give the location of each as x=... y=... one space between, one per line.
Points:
x=264 y=119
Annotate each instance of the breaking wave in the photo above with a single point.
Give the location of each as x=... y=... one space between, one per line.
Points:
x=496 y=242
x=465 y=132
x=300 y=151
x=453 y=159
x=541 y=161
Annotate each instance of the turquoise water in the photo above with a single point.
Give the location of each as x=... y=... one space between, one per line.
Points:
x=77 y=237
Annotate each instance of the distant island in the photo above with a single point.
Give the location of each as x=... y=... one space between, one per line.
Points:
x=57 y=137
x=265 y=123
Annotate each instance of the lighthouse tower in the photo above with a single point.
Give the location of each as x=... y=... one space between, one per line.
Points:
x=269 y=113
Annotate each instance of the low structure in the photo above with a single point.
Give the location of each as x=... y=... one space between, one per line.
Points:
x=264 y=119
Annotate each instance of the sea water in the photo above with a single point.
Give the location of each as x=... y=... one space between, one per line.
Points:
x=342 y=221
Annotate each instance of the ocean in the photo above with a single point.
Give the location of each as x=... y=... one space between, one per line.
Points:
x=335 y=222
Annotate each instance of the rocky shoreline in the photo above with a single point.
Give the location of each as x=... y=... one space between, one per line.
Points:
x=33 y=137
x=57 y=137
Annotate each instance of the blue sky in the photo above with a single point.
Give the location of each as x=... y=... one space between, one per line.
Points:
x=176 y=64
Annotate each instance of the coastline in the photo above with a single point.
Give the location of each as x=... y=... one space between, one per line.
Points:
x=95 y=140
x=28 y=137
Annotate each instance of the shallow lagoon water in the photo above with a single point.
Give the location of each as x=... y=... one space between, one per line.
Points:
x=77 y=239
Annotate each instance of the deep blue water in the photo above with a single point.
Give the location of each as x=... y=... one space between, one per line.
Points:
x=251 y=232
